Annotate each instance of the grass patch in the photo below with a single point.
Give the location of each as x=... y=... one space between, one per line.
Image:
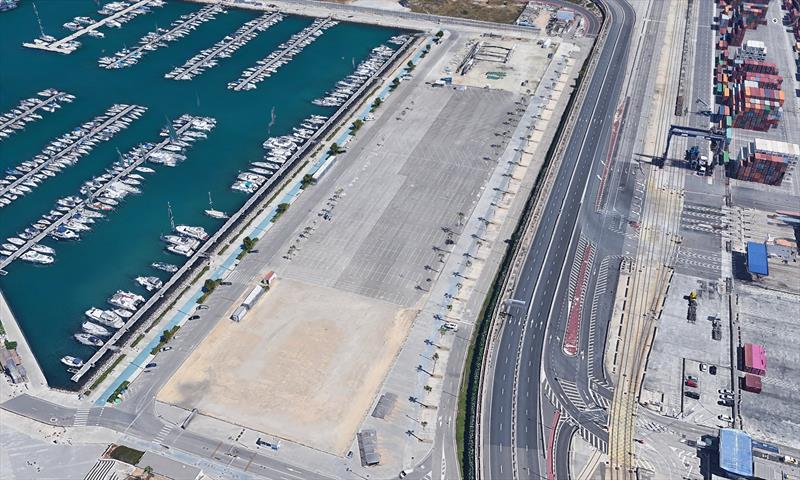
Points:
x=2 y=329
x=107 y=371
x=10 y=344
x=126 y=454
x=138 y=339
x=197 y=277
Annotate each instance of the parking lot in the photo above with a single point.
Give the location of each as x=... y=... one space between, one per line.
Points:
x=679 y=350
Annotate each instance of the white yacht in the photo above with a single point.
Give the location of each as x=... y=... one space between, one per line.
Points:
x=94 y=329
x=194 y=232
x=73 y=362
x=88 y=339
x=105 y=317
x=35 y=257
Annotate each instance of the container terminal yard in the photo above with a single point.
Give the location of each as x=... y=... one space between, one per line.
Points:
x=541 y=250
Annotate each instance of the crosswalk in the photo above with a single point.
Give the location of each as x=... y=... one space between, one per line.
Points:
x=100 y=470
x=163 y=433
x=81 y=418
x=570 y=390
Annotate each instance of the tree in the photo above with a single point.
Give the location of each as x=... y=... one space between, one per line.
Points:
x=148 y=471
x=282 y=208
x=356 y=125
x=439 y=34
x=335 y=149
x=307 y=180
x=248 y=244
x=209 y=285
x=377 y=103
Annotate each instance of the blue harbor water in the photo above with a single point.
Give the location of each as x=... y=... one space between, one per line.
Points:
x=48 y=301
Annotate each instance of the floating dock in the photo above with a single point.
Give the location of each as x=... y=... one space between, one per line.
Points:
x=65 y=44
x=199 y=63
x=153 y=40
x=286 y=52
x=83 y=203
x=52 y=97
x=94 y=133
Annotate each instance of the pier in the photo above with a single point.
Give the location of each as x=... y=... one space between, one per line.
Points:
x=54 y=97
x=252 y=202
x=151 y=41
x=82 y=204
x=197 y=65
x=276 y=59
x=62 y=46
x=73 y=146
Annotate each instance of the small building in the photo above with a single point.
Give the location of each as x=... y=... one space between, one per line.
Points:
x=270 y=278
x=757 y=259
x=736 y=453
x=565 y=15
x=751 y=383
x=755 y=359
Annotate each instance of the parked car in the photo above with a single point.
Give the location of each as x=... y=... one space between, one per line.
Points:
x=691 y=383
x=725 y=418
x=202 y=307
x=692 y=394
x=450 y=326
x=712 y=369
x=691 y=377
x=166 y=349
x=726 y=402
x=725 y=390
x=151 y=365
x=194 y=317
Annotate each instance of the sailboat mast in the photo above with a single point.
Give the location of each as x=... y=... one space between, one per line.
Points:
x=171 y=219
x=38 y=20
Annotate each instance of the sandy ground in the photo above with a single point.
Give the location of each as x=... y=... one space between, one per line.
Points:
x=338 y=346
x=521 y=72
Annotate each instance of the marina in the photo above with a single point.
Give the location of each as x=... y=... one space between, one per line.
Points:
x=26 y=111
x=66 y=151
x=209 y=57
x=110 y=190
x=112 y=251
x=118 y=13
x=285 y=52
x=159 y=38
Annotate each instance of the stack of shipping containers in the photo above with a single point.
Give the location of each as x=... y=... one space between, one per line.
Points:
x=764 y=161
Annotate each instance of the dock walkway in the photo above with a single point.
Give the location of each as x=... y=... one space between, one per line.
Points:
x=59 y=45
x=80 y=205
x=109 y=344
x=203 y=15
x=29 y=111
x=188 y=69
x=306 y=33
x=70 y=148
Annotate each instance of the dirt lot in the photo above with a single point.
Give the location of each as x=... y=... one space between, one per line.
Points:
x=337 y=345
x=500 y=11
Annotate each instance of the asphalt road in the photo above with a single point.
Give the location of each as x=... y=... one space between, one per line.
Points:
x=515 y=435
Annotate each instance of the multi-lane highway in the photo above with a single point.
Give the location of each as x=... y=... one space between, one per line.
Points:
x=519 y=431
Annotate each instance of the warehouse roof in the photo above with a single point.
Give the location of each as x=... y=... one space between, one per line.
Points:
x=780 y=148
x=736 y=452
x=757 y=258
